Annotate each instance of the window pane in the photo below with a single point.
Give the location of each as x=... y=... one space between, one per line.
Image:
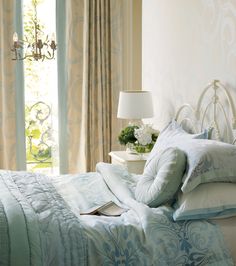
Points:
x=41 y=110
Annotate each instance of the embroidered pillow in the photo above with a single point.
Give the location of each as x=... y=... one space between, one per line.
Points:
x=161 y=178
x=208 y=161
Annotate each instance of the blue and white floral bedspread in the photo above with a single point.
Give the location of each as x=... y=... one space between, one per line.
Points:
x=39 y=226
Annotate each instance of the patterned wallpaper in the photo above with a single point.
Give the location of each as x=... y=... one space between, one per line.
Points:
x=186 y=44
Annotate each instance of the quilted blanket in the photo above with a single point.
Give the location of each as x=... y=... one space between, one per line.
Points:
x=40 y=224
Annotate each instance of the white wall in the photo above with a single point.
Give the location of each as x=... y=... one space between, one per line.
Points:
x=185 y=45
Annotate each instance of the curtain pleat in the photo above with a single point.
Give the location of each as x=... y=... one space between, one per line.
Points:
x=10 y=134
x=93 y=60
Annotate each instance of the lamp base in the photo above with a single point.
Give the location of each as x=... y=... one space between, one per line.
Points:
x=135 y=122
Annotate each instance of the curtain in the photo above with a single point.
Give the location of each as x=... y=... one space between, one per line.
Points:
x=93 y=59
x=11 y=114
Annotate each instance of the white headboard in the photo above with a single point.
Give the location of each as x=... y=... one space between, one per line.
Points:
x=214 y=109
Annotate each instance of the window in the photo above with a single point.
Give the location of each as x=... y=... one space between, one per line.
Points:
x=41 y=97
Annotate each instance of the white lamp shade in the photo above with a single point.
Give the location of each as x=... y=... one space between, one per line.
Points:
x=135 y=105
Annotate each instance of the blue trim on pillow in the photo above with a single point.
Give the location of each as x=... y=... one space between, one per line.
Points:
x=215 y=212
x=203 y=135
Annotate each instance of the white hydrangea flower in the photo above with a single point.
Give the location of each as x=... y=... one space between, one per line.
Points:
x=143 y=134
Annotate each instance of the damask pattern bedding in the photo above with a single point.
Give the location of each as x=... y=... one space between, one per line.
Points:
x=40 y=225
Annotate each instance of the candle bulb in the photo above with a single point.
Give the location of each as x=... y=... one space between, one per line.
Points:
x=53 y=43
x=15 y=37
x=53 y=38
x=39 y=36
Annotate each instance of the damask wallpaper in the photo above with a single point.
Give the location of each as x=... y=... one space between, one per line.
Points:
x=185 y=45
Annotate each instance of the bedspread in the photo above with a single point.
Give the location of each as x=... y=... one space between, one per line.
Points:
x=40 y=225
x=36 y=225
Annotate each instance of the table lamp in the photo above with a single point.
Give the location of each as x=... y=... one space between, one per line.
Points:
x=135 y=105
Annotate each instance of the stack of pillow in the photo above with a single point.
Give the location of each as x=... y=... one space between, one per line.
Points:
x=202 y=170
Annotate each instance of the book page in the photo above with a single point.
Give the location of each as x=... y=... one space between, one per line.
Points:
x=92 y=210
x=108 y=209
x=111 y=210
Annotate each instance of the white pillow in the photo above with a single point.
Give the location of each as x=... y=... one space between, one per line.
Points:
x=161 y=178
x=211 y=200
x=171 y=136
x=208 y=161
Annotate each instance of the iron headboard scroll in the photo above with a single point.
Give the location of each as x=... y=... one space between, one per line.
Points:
x=210 y=114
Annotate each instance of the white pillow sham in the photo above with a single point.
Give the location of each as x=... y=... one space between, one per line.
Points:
x=211 y=200
x=171 y=136
x=208 y=161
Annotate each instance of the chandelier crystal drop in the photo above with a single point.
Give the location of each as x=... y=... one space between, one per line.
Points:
x=40 y=48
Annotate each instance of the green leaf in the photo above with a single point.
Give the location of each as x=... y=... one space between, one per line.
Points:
x=35 y=133
x=27 y=132
x=127 y=135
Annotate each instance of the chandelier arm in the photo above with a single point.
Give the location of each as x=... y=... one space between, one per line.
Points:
x=49 y=57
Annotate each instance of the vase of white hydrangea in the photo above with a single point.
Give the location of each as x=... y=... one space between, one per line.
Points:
x=140 y=139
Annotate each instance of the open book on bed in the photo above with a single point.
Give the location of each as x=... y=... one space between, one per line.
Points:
x=108 y=209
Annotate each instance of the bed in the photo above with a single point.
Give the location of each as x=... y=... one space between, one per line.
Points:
x=165 y=222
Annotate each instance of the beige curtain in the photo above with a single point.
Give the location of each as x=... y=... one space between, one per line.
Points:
x=7 y=89
x=94 y=59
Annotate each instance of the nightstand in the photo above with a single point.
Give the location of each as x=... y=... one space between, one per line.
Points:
x=133 y=162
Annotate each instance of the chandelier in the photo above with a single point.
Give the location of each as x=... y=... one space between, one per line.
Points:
x=40 y=48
